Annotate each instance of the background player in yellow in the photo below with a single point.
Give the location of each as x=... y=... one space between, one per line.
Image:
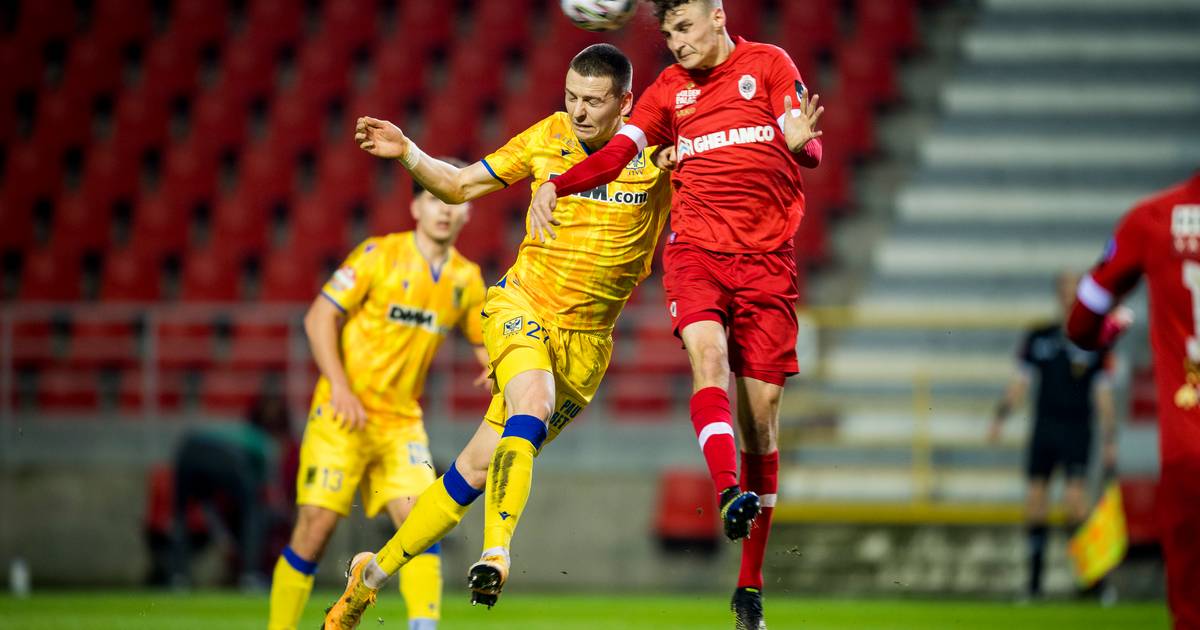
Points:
x=374 y=330
x=547 y=324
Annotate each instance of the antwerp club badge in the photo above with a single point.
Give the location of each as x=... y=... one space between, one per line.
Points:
x=747 y=86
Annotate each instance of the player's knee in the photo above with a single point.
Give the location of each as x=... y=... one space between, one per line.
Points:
x=533 y=401
x=711 y=364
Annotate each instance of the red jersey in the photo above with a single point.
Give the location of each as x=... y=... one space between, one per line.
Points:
x=737 y=187
x=1160 y=237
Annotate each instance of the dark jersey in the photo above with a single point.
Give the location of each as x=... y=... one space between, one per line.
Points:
x=1066 y=375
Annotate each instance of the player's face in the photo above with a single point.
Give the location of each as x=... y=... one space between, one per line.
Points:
x=595 y=107
x=438 y=221
x=694 y=32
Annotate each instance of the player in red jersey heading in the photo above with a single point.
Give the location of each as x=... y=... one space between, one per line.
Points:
x=730 y=269
x=1160 y=238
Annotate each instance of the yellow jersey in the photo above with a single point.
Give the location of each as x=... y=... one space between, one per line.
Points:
x=398 y=311
x=606 y=240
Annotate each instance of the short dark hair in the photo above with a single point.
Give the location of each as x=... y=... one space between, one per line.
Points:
x=662 y=6
x=605 y=60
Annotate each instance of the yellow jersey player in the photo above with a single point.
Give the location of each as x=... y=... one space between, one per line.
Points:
x=374 y=330
x=547 y=324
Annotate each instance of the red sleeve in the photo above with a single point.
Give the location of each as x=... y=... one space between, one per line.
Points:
x=784 y=80
x=650 y=125
x=1089 y=324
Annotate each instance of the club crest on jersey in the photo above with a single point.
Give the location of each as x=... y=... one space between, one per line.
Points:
x=458 y=295
x=1185 y=228
x=512 y=326
x=637 y=163
x=343 y=279
x=747 y=86
x=687 y=96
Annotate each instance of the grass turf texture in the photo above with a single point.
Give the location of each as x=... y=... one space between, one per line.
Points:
x=209 y=610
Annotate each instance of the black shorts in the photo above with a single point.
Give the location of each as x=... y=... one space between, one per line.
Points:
x=1067 y=445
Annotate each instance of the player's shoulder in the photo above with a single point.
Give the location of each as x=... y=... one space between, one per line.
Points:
x=762 y=55
x=671 y=76
x=465 y=268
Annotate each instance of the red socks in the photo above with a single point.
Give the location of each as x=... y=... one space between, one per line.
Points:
x=713 y=422
x=760 y=474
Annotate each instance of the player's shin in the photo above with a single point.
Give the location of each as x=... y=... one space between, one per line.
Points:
x=760 y=474
x=510 y=478
x=713 y=422
x=291 y=585
x=437 y=511
x=421 y=587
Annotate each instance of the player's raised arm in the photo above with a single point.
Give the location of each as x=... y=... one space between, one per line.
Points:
x=800 y=127
x=1096 y=318
x=447 y=182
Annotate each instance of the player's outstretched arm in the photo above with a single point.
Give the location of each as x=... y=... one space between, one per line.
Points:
x=599 y=168
x=800 y=127
x=447 y=182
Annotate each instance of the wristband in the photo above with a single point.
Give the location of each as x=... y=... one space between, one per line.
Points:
x=412 y=157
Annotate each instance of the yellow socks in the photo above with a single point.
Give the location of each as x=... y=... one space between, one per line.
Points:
x=421 y=586
x=437 y=511
x=510 y=478
x=290 y=587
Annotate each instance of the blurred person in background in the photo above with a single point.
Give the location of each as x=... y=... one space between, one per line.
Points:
x=374 y=330
x=548 y=322
x=1160 y=238
x=729 y=266
x=1072 y=387
x=235 y=471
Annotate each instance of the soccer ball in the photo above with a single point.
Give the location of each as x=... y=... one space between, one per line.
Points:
x=599 y=15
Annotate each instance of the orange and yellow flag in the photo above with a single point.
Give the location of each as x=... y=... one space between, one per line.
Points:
x=1098 y=547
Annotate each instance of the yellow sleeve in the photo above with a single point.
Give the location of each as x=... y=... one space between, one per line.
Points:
x=350 y=284
x=471 y=321
x=511 y=162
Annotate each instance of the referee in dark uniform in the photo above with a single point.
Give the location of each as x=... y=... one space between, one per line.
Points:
x=1072 y=387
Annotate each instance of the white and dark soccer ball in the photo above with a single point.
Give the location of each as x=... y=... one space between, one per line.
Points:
x=599 y=15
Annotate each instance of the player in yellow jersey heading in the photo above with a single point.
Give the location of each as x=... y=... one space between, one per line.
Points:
x=374 y=330
x=547 y=324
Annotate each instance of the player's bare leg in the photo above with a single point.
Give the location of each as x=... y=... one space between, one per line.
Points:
x=758 y=428
x=708 y=351
x=1036 y=515
x=529 y=399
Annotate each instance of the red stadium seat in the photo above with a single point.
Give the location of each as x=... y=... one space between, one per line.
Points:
x=130 y=276
x=231 y=392
x=35 y=344
x=51 y=276
x=425 y=26
x=346 y=173
x=866 y=73
x=247 y=70
x=322 y=72
x=475 y=76
x=640 y=397
x=891 y=23
x=687 y=508
x=391 y=211
x=217 y=121
x=289 y=276
x=80 y=225
x=210 y=276
x=812 y=239
x=92 y=67
x=396 y=74
x=349 y=24
x=272 y=23
x=238 y=227
x=195 y=23
x=98 y=342
x=160 y=225
x=119 y=22
x=847 y=124
x=318 y=227
x=258 y=345
x=68 y=391
x=296 y=124
x=132 y=387
x=743 y=18
x=498 y=27
x=265 y=176
x=809 y=25
x=30 y=172
x=44 y=20
x=171 y=66
x=190 y=173
x=60 y=124
x=450 y=123
x=186 y=345
x=141 y=120
x=17 y=220
x=110 y=174
x=466 y=399
x=828 y=186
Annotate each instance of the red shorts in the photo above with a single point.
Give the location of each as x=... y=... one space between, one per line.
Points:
x=753 y=295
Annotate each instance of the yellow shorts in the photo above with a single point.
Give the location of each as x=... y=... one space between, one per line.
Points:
x=388 y=459
x=517 y=340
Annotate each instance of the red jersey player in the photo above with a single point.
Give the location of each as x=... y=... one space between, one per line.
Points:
x=1160 y=238
x=730 y=270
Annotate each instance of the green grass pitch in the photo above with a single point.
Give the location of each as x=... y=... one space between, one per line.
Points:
x=223 y=611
